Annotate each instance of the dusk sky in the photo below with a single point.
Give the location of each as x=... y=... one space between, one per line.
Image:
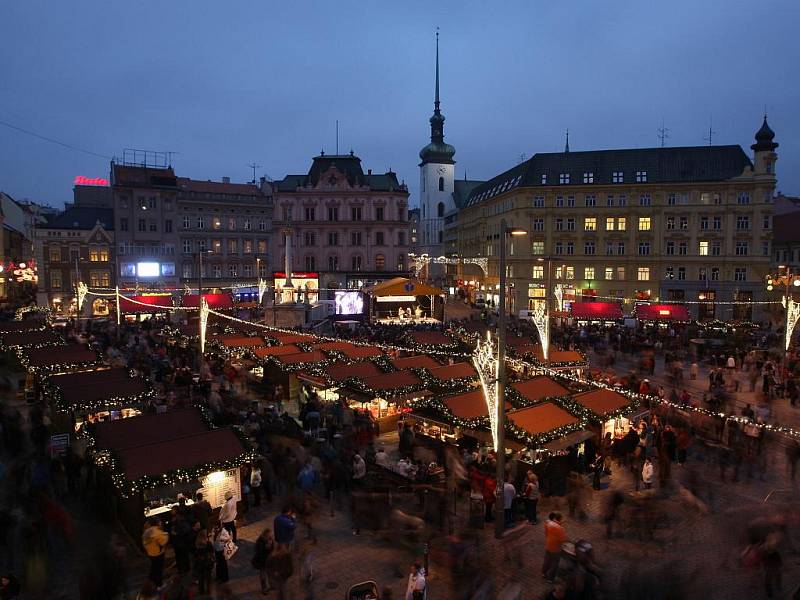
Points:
x=225 y=84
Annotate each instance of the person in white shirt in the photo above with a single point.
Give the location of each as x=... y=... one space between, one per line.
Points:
x=255 y=484
x=647 y=473
x=509 y=493
x=416 y=583
x=359 y=469
x=227 y=515
x=381 y=458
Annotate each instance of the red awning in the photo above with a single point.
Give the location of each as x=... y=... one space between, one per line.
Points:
x=215 y=301
x=596 y=311
x=662 y=312
x=146 y=304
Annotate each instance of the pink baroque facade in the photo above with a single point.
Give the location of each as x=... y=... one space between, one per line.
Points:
x=349 y=227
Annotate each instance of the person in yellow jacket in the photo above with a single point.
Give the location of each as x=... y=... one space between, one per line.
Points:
x=154 y=540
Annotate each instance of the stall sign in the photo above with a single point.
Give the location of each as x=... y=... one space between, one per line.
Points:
x=217 y=483
x=59 y=444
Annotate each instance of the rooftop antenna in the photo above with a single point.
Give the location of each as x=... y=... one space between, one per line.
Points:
x=254 y=166
x=522 y=158
x=566 y=146
x=337 y=137
x=711 y=131
x=663 y=133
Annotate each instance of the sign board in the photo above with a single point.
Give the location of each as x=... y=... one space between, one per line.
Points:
x=59 y=444
x=217 y=483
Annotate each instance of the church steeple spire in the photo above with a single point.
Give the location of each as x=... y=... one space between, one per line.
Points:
x=437 y=151
x=566 y=145
x=436 y=101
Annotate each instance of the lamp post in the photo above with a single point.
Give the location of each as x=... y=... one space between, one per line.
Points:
x=788 y=279
x=200 y=274
x=499 y=519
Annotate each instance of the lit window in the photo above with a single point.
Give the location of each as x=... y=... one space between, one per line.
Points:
x=643 y=274
x=621 y=273
x=217 y=223
x=570 y=272
x=644 y=223
x=538 y=272
x=703 y=248
x=590 y=224
x=609 y=273
x=610 y=223
x=537 y=247
x=588 y=273
x=621 y=224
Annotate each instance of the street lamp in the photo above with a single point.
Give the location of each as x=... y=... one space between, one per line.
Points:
x=786 y=278
x=200 y=274
x=499 y=519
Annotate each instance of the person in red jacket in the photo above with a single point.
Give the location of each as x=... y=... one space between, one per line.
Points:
x=489 y=496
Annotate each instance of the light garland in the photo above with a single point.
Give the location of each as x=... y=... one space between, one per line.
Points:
x=42 y=310
x=52 y=390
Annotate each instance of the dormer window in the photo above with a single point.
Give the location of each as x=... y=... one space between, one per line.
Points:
x=544 y=179
x=588 y=177
x=617 y=177
x=641 y=176
x=563 y=178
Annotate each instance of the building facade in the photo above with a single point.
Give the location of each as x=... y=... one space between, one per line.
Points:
x=145 y=225
x=230 y=225
x=77 y=245
x=346 y=228
x=675 y=224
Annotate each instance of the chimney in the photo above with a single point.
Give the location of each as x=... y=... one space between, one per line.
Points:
x=226 y=180
x=369 y=171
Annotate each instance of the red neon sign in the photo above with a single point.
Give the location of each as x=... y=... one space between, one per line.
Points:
x=81 y=180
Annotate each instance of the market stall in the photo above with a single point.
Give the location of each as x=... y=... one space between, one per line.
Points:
x=661 y=314
x=384 y=396
x=417 y=361
x=610 y=409
x=96 y=396
x=57 y=359
x=537 y=389
x=541 y=423
x=402 y=301
x=350 y=351
x=214 y=301
x=151 y=461
x=142 y=306
x=603 y=312
x=30 y=339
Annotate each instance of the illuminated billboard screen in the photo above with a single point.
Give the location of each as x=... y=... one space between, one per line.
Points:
x=348 y=303
x=148 y=269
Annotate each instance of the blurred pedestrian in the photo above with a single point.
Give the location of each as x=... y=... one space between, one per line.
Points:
x=530 y=495
x=647 y=473
x=554 y=537
x=221 y=539
x=203 y=561
x=265 y=545
x=415 y=589
x=154 y=541
x=227 y=514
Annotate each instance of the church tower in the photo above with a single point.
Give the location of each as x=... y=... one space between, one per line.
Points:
x=436 y=175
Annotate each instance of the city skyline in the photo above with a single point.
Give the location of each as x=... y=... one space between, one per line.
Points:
x=218 y=116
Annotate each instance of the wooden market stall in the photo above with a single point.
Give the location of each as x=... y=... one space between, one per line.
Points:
x=384 y=396
x=416 y=361
x=58 y=359
x=538 y=388
x=609 y=406
x=402 y=301
x=96 y=396
x=151 y=461
x=30 y=339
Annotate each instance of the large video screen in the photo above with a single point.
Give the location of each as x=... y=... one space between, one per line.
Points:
x=348 y=303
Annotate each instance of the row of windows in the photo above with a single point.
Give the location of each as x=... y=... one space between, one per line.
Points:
x=642 y=273
x=704 y=248
x=357 y=238
x=673 y=199
x=310 y=213
x=588 y=177
x=96 y=254
x=218 y=222
x=96 y=279
x=646 y=223
x=189 y=270
x=232 y=246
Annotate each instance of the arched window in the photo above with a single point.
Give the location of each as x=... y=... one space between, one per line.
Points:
x=441 y=184
x=380 y=262
x=440 y=209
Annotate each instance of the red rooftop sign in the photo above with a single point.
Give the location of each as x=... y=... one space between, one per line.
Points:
x=81 y=180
